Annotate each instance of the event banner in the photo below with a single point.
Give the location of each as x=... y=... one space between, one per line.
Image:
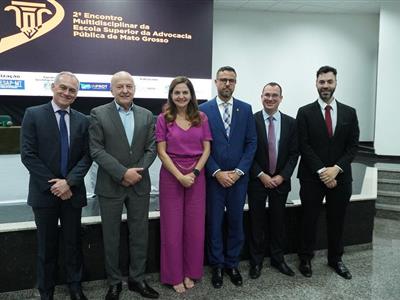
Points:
x=154 y=40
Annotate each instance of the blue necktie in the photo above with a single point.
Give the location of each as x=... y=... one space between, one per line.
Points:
x=64 y=144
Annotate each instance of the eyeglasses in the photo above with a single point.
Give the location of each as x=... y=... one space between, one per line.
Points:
x=227 y=80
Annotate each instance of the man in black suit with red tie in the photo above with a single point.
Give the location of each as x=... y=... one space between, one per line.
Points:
x=328 y=139
x=270 y=173
x=55 y=150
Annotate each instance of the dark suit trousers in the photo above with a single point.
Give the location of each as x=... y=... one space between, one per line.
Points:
x=46 y=220
x=267 y=227
x=137 y=208
x=337 y=199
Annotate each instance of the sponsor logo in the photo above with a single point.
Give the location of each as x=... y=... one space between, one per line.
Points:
x=9 y=76
x=9 y=84
x=94 y=86
x=29 y=17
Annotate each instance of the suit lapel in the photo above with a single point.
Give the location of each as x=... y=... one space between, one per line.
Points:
x=217 y=116
x=235 y=116
x=138 y=124
x=263 y=139
x=53 y=128
x=116 y=120
x=319 y=118
x=73 y=127
x=284 y=134
x=339 y=118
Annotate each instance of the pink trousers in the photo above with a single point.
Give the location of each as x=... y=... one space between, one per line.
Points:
x=182 y=222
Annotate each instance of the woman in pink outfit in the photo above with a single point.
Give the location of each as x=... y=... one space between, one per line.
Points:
x=183 y=145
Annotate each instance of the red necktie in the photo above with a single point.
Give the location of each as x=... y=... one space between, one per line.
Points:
x=328 y=119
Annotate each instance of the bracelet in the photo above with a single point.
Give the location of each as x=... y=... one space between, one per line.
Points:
x=196 y=172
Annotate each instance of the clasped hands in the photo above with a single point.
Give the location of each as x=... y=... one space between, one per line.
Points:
x=271 y=182
x=60 y=188
x=187 y=180
x=227 y=178
x=328 y=176
x=131 y=177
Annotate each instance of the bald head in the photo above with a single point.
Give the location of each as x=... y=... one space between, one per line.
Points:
x=123 y=88
x=121 y=75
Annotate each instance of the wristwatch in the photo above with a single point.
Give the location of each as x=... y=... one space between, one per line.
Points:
x=196 y=172
x=238 y=172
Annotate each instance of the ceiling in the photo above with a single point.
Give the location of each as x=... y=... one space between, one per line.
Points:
x=305 y=6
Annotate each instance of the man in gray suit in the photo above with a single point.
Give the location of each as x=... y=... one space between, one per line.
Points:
x=122 y=143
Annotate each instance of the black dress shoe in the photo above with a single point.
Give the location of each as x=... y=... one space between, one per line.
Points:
x=217 y=277
x=305 y=268
x=77 y=295
x=234 y=275
x=282 y=267
x=114 y=291
x=47 y=295
x=143 y=289
x=255 y=271
x=341 y=269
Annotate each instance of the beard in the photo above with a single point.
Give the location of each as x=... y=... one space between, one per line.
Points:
x=225 y=93
x=326 y=94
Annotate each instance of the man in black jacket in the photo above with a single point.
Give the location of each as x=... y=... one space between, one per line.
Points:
x=270 y=173
x=328 y=139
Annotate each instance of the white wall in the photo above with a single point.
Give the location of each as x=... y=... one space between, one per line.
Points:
x=387 y=137
x=289 y=48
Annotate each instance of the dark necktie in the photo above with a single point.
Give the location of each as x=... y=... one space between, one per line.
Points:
x=64 y=144
x=328 y=120
x=271 y=145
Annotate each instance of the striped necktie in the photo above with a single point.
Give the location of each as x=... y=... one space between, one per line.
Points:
x=227 y=119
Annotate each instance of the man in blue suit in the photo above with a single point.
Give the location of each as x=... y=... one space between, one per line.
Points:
x=233 y=147
x=55 y=150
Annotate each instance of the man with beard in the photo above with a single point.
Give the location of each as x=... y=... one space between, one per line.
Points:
x=233 y=147
x=328 y=138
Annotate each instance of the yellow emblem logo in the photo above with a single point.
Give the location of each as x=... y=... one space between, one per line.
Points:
x=29 y=20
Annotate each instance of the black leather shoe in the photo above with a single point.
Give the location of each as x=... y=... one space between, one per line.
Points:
x=255 y=271
x=77 y=295
x=341 y=269
x=234 y=275
x=305 y=268
x=114 y=291
x=217 y=277
x=47 y=295
x=143 y=289
x=282 y=267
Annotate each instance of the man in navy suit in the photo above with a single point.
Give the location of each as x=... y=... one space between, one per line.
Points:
x=234 y=144
x=270 y=173
x=55 y=150
x=328 y=140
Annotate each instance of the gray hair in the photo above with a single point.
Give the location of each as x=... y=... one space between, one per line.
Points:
x=65 y=73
